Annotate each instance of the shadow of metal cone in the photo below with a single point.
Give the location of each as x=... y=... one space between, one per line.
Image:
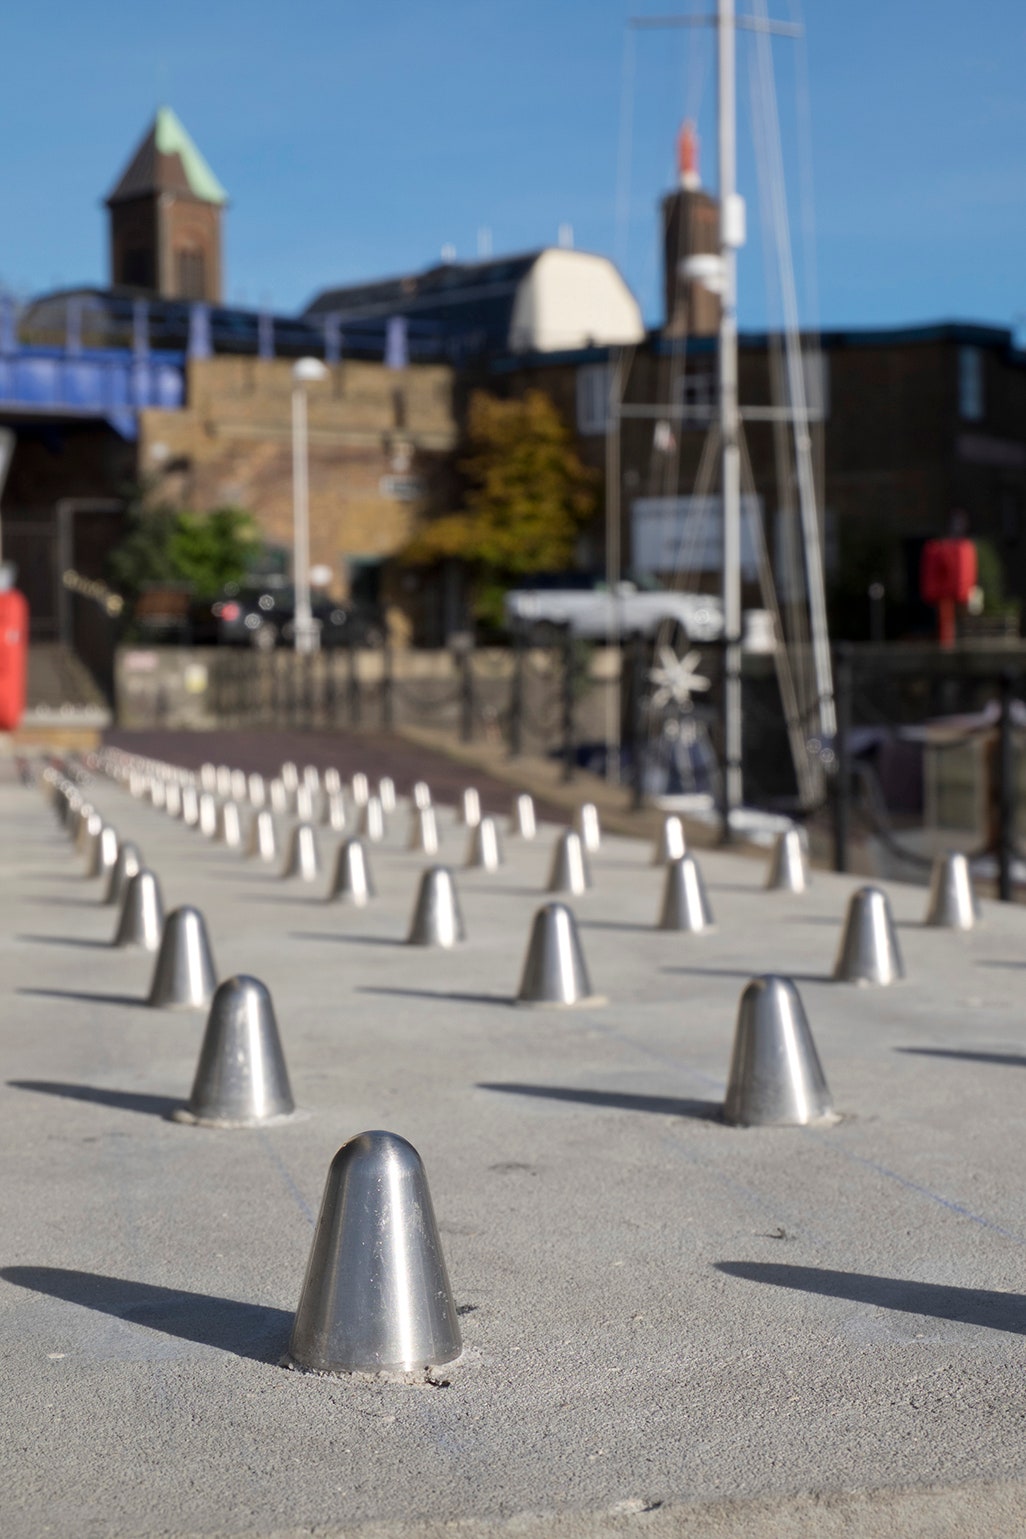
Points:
x=263 y=836
x=352 y=879
x=522 y=821
x=484 y=852
x=437 y=920
x=470 y=808
x=555 y=972
x=952 y=904
x=685 y=901
x=670 y=843
x=423 y=831
x=333 y=814
x=421 y=794
x=127 y=864
x=869 y=951
x=775 y=1078
x=569 y=870
x=142 y=913
x=302 y=857
x=586 y=822
x=386 y=793
x=104 y=852
x=359 y=789
x=241 y=1078
x=208 y=818
x=229 y=826
x=787 y=864
x=184 y=975
x=372 y=820
x=376 y=1296
x=190 y=806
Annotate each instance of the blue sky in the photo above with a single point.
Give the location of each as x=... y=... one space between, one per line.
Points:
x=356 y=140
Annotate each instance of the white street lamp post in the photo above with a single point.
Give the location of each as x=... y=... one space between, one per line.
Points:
x=305 y=371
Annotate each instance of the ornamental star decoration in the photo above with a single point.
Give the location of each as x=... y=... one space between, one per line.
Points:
x=675 y=679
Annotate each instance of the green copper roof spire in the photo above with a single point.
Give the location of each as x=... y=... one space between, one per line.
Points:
x=167 y=160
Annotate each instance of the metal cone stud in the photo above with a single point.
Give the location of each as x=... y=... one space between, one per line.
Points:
x=423 y=831
x=229 y=826
x=586 y=822
x=775 y=1078
x=787 y=864
x=386 y=793
x=869 y=951
x=333 y=812
x=87 y=831
x=359 y=789
x=302 y=858
x=173 y=800
x=555 y=972
x=241 y=1078
x=484 y=851
x=376 y=1296
x=158 y=795
x=470 y=808
x=190 y=806
x=685 y=903
x=332 y=782
x=522 y=821
x=312 y=778
x=670 y=843
x=279 y=796
x=421 y=794
x=256 y=791
x=437 y=920
x=952 y=903
x=289 y=776
x=208 y=819
x=223 y=780
x=208 y=777
x=239 y=786
x=372 y=820
x=184 y=976
x=263 y=836
x=305 y=800
x=104 y=852
x=352 y=879
x=127 y=864
x=569 y=870
x=141 y=922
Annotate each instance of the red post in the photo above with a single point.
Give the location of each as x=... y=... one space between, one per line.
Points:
x=13 y=657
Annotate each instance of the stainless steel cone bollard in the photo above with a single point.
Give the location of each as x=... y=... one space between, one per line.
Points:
x=775 y=1078
x=522 y=821
x=333 y=814
x=141 y=922
x=569 y=870
x=190 y=806
x=87 y=833
x=229 y=826
x=952 y=902
x=372 y=820
x=302 y=858
x=173 y=801
x=423 y=831
x=279 y=796
x=241 y=1078
x=289 y=776
x=484 y=849
x=685 y=901
x=127 y=864
x=332 y=782
x=352 y=879
x=158 y=795
x=239 y=786
x=104 y=852
x=555 y=972
x=256 y=791
x=359 y=789
x=386 y=793
x=670 y=843
x=470 y=808
x=208 y=777
x=184 y=976
x=305 y=803
x=869 y=951
x=437 y=920
x=586 y=822
x=208 y=814
x=223 y=780
x=421 y=794
x=312 y=778
x=263 y=836
x=787 y=864
x=376 y=1296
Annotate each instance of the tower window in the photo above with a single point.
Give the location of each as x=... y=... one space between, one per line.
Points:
x=191 y=273
x=137 y=269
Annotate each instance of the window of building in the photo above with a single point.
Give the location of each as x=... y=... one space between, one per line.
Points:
x=970 y=384
x=695 y=393
x=191 y=273
x=138 y=268
x=592 y=398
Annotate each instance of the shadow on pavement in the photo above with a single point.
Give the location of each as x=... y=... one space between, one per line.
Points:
x=620 y=1100
x=1007 y=1060
x=84 y=998
x=968 y=1306
x=751 y=972
x=467 y=999
x=65 y=940
x=351 y=940
x=123 y=1100
x=249 y=1330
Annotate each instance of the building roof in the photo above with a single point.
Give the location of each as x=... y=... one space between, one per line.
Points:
x=168 y=161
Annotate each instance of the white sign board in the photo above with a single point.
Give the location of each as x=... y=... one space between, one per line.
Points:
x=671 y=535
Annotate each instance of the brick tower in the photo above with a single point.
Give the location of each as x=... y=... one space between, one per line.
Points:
x=165 y=218
x=691 y=226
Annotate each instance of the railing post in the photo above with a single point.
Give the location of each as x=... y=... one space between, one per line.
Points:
x=516 y=694
x=353 y=688
x=637 y=648
x=466 y=694
x=843 y=687
x=569 y=757
x=1006 y=790
x=387 y=704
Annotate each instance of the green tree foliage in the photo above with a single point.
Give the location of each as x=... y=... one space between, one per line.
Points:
x=165 y=545
x=527 y=496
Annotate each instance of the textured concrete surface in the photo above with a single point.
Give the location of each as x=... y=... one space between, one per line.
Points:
x=671 y=1327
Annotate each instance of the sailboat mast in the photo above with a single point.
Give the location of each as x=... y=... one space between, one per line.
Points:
x=731 y=236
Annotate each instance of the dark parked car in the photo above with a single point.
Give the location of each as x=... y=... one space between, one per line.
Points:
x=263 y=615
